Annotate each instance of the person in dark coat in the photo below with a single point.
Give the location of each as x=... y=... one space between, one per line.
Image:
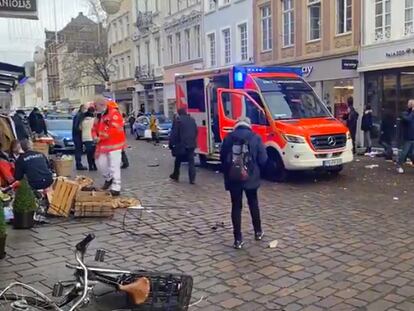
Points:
x=183 y=142
x=131 y=121
x=37 y=122
x=366 y=127
x=407 y=122
x=21 y=125
x=351 y=119
x=77 y=136
x=258 y=159
x=387 y=133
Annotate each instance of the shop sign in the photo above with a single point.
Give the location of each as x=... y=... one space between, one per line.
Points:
x=158 y=84
x=400 y=52
x=18 y=9
x=349 y=64
x=307 y=71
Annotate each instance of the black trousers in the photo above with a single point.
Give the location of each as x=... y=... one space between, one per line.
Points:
x=236 y=210
x=187 y=157
x=124 y=159
x=41 y=184
x=90 y=154
x=77 y=141
x=155 y=137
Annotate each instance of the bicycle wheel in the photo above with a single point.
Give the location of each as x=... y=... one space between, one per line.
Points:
x=13 y=301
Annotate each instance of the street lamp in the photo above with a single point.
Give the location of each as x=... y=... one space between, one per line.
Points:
x=111 y=6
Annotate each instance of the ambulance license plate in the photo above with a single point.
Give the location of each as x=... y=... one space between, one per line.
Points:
x=334 y=162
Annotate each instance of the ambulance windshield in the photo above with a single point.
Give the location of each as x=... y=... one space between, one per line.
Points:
x=290 y=98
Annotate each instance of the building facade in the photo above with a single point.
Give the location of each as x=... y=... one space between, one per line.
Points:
x=183 y=50
x=121 y=55
x=228 y=32
x=387 y=58
x=321 y=36
x=147 y=37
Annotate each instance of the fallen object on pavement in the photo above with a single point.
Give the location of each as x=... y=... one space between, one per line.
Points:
x=273 y=244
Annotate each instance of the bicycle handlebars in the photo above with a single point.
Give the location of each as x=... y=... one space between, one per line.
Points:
x=82 y=245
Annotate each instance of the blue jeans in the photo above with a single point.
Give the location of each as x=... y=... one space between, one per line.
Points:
x=406 y=151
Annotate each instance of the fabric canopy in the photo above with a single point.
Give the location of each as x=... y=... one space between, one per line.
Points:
x=9 y=76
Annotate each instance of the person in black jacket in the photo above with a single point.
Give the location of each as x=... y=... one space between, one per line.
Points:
x=77 y=136
x=351 y=119
x=183 y=142
x=366 y=127
x=37 y=122
x=387 y=133
x=258 y=159
x=35 y=166
x=21 y=125
x=407 y=122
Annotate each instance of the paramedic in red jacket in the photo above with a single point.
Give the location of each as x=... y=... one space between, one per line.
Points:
x=108 y=132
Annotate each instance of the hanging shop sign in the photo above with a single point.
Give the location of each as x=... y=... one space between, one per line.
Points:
x=26 y=9
x=349 y=64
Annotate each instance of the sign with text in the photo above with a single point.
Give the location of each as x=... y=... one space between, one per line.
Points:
x=26 y=9
x=349 y=64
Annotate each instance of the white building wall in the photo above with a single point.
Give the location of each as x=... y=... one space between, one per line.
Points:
x=228 y=15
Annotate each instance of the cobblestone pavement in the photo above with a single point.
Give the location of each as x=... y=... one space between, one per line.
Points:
x=345 y=243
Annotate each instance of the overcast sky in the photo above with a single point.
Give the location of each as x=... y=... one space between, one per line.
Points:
x=19 y=37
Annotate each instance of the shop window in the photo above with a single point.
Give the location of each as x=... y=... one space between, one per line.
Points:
x=344 y=16
x=195 y=95
x=409 y=17
x=314 y=11
x=382 y=19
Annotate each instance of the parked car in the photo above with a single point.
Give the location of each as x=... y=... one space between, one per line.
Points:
x=61 y=131
x=142 y=130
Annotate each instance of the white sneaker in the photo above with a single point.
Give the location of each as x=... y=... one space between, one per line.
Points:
x=400 y=170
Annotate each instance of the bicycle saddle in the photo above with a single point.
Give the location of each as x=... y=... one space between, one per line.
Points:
x=138 y=291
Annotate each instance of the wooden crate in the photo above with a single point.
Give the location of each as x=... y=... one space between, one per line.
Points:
x=94 y=204
x=41 y=147
x=63 y=197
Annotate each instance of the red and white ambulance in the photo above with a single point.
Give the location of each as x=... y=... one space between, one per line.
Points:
x=298 y=130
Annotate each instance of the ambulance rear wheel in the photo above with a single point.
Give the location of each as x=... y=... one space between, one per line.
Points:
x=275 y=169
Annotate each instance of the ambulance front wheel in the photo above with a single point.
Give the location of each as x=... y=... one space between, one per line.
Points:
x=275 y=169
x=203 y=160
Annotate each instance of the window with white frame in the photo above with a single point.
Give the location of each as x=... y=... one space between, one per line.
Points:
x=288 y=23
x=148 y=52
x=211 y=44
x=187 y=44
x=226 y=39
x=122 y=71
x=129 y=66
x=178 y=46
x=266 y=27
x=158 y=47
x=314 y=12
x=170 y=49
x=409 y=17
x=343 y=16
x=197 y=36
x=382 y=19
x=243 y=42
x=211 y=5
x=121 y=29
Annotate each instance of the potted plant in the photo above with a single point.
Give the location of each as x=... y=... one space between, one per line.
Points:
x=3 y=233
x=24 y=206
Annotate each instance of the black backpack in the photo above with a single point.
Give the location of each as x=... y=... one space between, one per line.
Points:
x=240 y=161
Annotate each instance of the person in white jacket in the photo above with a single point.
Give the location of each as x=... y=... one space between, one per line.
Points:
x=87 y=138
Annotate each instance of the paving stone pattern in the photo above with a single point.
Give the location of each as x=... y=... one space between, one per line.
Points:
x=344 y=243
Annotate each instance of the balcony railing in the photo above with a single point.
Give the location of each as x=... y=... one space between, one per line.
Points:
x=144 y=21
x=382 y=34
x=145 y=73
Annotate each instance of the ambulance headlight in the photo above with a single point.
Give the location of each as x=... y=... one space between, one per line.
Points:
x=348 y=136
x=294 y=139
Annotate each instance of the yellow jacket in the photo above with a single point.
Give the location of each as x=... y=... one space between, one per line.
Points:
x=153 y=124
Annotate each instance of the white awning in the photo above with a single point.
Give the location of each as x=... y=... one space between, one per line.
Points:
x=386 y=66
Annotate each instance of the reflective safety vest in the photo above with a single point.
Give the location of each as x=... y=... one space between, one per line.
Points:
x=109 y=131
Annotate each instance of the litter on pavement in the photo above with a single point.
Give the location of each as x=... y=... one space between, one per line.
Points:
x=273 y=244
x=372 y=166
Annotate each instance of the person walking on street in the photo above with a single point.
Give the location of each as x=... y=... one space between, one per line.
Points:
x=407 y=123
x=87 y=138
x=108 y=132
x=183 y=142
x=37 y=122
x=77 y=136
x=387 y=133
x=131 y=121
x=21 y=125
x=242 y=155
x=154 y=128
x=351 y=119
x=366 y=127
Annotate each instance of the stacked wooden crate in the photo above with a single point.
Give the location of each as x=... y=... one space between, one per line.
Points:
x=63 y=197
x=94 y=204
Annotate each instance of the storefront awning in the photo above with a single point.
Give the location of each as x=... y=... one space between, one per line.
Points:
x=9 y=76
x=385 y=66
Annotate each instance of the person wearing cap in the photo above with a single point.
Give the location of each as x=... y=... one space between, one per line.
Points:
x=257 y=158
x=183 y=142
x=108 y=132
